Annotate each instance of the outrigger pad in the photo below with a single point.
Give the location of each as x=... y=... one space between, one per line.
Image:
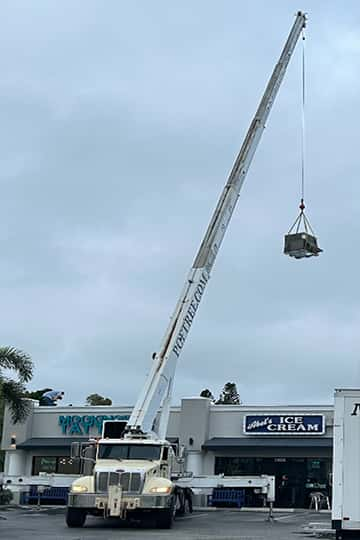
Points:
x=301 y=245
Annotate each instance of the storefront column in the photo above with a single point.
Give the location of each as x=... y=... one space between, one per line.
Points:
x=194 y=462
x=15 y=462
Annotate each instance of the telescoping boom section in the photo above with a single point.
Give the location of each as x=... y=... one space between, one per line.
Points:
x=158 y=387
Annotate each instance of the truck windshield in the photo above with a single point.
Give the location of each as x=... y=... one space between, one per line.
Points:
x=129 y=451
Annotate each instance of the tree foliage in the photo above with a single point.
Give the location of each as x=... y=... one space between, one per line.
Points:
x=229 y=395
x=96 y=399
x=36 y=394
x=6 y=496
x=11 y=390
x=207 y=393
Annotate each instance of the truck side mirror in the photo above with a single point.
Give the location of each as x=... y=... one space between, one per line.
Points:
x=75 y=450
x=90 y=452
x=89 y=455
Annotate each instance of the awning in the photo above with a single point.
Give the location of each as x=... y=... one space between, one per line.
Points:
x=225 y=443
x=60 y=442
x=49 y=442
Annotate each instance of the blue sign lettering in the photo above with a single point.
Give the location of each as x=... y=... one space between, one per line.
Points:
x=81 y=425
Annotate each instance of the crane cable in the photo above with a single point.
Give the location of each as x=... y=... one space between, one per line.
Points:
x=301 y=217
x=303 y=122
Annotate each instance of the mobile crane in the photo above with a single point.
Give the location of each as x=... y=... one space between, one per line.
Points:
x=137 y=472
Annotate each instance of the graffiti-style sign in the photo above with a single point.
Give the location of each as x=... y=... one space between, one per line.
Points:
x=81 y=425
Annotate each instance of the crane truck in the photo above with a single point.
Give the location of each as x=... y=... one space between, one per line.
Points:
x=138 y=472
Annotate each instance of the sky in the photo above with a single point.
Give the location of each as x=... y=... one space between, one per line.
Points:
x=120 y=122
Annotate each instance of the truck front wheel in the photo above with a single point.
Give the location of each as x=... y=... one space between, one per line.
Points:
x=75 y=517
x=165 y=518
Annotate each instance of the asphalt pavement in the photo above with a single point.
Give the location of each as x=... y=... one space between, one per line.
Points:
x=31 y=523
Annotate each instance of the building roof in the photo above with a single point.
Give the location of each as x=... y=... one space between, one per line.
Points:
x=49 y=442
x=219 y=443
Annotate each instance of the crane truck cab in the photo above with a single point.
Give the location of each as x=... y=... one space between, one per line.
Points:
x=131 y=477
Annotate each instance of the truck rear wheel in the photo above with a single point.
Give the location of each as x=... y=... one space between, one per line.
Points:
x=183 y=501
x=75 y=517
x=345 y=535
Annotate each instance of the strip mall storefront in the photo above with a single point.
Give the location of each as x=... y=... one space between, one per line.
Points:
x=294 y=443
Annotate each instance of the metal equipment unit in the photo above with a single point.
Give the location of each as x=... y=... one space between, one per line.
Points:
x=301 y=244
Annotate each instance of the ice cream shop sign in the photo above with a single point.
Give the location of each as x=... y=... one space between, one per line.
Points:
x=87 y=424
x=284 y=425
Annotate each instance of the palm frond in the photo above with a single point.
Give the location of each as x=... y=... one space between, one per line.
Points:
x=12 y=392
x=19 y=361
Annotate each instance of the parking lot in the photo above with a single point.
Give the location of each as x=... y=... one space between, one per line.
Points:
x=48 y=523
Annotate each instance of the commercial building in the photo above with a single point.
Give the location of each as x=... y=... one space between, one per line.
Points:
x=294 y=443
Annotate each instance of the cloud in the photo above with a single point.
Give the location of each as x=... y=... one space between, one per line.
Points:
x=119 y=128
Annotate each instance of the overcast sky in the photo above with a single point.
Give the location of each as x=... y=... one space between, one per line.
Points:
x=119 y=124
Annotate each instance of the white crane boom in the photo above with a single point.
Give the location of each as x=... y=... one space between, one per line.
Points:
x=158 y=387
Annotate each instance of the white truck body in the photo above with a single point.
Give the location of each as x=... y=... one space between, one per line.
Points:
x=346 y=463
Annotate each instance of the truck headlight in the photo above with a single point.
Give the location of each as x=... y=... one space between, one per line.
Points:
x=161 y=489
x=79 y=489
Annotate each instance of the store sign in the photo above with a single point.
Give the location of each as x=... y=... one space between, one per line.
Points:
x=356 y=409
x=81 y=425
x=284 y=425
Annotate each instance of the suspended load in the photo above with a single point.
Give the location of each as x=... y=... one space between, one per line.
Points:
x=301 y=243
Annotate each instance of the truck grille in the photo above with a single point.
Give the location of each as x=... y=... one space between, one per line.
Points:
x=130 y=482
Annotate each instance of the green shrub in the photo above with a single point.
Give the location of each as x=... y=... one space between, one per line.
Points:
x=5 y=496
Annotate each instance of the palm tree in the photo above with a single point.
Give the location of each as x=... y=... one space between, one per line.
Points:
x=12 y=391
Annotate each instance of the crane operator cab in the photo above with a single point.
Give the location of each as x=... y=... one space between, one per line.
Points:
x=301 y=244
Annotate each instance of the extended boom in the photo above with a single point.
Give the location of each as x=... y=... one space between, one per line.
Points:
x=137 y=474
x=158 y=386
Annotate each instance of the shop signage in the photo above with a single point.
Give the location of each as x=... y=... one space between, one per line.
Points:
x=311 y=424
x=356 y=409
x=81 y=425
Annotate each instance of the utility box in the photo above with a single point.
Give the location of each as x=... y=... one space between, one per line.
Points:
x=300 y=245
x=346 y=464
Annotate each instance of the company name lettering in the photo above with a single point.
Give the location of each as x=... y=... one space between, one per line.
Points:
x=284 y=424
x=190 y=314
x=80 y=425
x=356 y=409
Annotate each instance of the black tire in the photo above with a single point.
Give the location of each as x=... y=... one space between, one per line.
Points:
x=184 y=502
x=188 y=501
x=344 y=535
x=165 y=518
x=75 y=517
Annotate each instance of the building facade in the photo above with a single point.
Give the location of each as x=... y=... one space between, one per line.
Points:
x=294 y=443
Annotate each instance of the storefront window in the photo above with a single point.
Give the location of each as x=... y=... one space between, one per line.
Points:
x=67 y=465
x=44 y=464
x=55 y=465
x=317 y=474
x=295 y=477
